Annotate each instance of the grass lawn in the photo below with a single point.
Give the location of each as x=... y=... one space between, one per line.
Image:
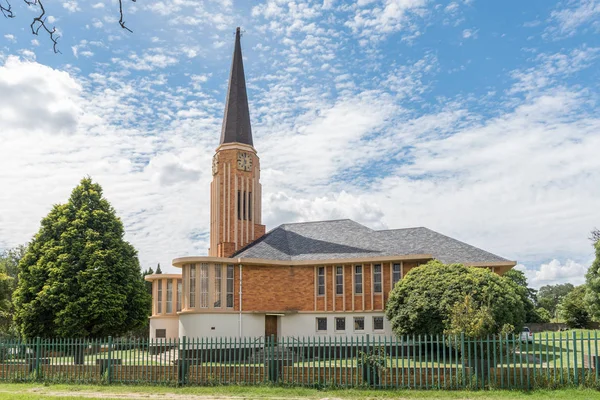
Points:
x=75 y=392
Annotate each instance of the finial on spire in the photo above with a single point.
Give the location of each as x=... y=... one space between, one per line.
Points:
x=236 y=121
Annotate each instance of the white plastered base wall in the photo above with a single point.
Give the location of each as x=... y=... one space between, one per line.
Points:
x=299 y=324
x=171 y=324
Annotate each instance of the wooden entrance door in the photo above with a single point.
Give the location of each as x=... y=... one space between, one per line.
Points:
x=271 y=326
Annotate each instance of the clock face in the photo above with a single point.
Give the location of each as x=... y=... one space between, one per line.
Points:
x=244 y=161
x=215 y=165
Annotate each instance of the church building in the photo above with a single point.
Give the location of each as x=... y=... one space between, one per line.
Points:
x=298 y=279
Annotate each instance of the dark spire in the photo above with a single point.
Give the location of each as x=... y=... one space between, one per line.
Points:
x=236 y=122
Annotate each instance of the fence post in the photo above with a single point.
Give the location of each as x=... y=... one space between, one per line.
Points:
x=109 y=361
x=462 y=359
x=368 y=363
x=182 y=361
x=37 y=358
x=575 y=375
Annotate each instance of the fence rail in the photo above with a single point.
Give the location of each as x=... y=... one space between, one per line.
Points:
x=421 y=361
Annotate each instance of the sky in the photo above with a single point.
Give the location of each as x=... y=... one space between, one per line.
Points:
x=477 y=119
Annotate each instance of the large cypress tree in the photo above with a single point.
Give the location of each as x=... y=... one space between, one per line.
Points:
x=78 y=277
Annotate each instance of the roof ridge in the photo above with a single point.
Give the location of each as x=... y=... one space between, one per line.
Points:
x=465 y=243
x=324 y=220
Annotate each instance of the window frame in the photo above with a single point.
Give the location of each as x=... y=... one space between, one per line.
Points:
x=229 y=291
x=380 y=283
x=394 y=280
x=335 y=324
x=339 y=285
x=354 y=324
x=179 y=303
x=159 y=301
x=218 y=289
x=358 y=283
x=163 y=332
x=317 y=319
x=320 y=285
x=204 y=285
x=169 y=302
x=382 y=323
x=192 y=284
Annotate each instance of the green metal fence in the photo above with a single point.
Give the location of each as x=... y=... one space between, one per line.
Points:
x=421 y=361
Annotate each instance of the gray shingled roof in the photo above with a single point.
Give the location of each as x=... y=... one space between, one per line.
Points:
x=236 y=121
x=348 y=239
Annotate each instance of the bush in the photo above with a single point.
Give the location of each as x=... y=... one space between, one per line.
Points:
x=422 y=302
x=573 y=309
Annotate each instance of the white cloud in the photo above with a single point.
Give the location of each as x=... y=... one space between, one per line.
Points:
x=469 y=33
x=569 y=17
x=387 y=16
x=555 y=272
x=10 y=38
x=71 y=6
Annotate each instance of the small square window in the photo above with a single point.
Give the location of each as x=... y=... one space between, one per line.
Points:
x=359 y=324
x=161 y=334
x=340 y=323
x=321 y=324
x=377 y=323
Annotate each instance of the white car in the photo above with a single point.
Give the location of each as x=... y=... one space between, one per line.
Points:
x=526 y=335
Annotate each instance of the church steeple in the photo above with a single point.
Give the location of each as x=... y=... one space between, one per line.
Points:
x=236 y=122
x=236 y=193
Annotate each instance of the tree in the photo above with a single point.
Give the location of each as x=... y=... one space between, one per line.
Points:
x=39 y=21
x=592 y=279
x=158 y=270
x=422 y=302
x=528 y=295
x=550 y=295
x=78 y=277
x=9 y=278
x=573 y=308
x=148 y=284
x=544 y=315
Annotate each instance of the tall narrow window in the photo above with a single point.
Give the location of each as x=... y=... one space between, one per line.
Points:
x=239 y=204
x=339 y=280
x=321 y=279
x=395 y=274
x=179 y=294
x=218 y=285
x=358 y=279
x=244 y=215
x=230 y=286
x=193 y=286
x=204 y=286
x=159 y=300
x=249 y=206
x=377 y=278
x=169 y=296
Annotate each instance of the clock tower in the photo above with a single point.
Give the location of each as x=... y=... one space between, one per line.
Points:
x=235 y=211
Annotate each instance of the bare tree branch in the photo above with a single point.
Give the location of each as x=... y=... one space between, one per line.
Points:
x=7 y=10
x=121 y=20
x=39 y=22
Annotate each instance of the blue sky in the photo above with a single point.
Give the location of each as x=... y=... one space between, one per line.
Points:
x=477 y=119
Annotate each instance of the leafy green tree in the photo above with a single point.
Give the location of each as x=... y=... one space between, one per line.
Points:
x=469 y=318
x=423 y=301
x=573 y=308
x=543 y=315
x=78 y=277
x=148 y=284
x=158 y=270
x=592 y=279
x=550 y=295
x=528 y=295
